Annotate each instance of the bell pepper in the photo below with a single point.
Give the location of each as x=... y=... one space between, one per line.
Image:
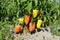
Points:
x=21 y=20
x=39 y=23
x=31 y=26
x=26 y=29
x=35 y=13
x=17 y=28
x=26 y=18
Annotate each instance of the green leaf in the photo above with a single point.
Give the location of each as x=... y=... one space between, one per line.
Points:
x=29 y=6
x=44 y=19
x=58 y=12
x=23 y=0
x=36 y=2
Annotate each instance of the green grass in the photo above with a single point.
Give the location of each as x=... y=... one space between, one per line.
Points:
x=54 y=28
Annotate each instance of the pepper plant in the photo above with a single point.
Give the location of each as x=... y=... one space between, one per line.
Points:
x=12 y=10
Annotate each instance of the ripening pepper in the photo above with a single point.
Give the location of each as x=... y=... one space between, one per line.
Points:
x=26 y=29
x=35 y=13
x=17 y=28
x=31 y=26
x=21 y=20
x=39 y=23
x=26 y=18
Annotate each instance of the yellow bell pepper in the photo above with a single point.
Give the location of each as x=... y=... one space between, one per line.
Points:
x=35 y=13
x=21 y=20
x=39 y=23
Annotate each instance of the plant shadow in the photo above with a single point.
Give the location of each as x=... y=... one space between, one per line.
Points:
x=33 y=32
x=38 y=30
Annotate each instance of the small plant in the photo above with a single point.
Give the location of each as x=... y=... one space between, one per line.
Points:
x=54 y=28
x=24 y=13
